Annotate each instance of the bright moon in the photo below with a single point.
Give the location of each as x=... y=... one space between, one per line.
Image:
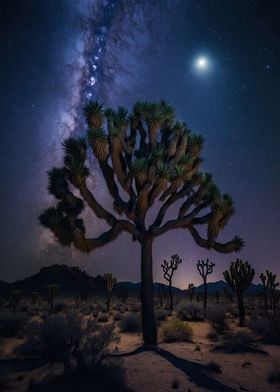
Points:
x=202 y=64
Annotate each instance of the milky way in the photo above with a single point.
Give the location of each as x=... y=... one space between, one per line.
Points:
x=59 y=54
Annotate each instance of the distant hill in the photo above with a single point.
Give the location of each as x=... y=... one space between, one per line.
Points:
x=220 y=285
x=71 y=281
x=74 y=281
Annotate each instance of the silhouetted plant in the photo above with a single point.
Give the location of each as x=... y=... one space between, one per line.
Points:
x=110 y=282
x=239 y=277
x=205 y=268
x=228 y=295
x=148 y=157
x=34 y=298
x=52 y=290
x=269 y=289
x=191 y=291
x=14 y=299
x=217 y=295
x=168 y=268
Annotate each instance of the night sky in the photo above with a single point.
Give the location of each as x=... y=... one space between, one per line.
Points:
x=216 y=61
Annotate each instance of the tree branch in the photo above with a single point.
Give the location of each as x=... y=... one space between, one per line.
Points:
x=232 y=246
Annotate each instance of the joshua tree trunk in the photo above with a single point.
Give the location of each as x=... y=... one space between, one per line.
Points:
x=205 y=298
x=265 y=302
x=148 y=316
x=170 y=296
x=241 y=310
x=108 y=302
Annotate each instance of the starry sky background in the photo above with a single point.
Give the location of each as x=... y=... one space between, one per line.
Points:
x=56 y=54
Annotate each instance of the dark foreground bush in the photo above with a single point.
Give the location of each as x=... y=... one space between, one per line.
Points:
x=268 y=329
x=131 y=323
x=189 y=311
x=11 y=323
x=70 y=339
x=176 y=330
x=217 y=318
x=239 y=342
x=95 y=378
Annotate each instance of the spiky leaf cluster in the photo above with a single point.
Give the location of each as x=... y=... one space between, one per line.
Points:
x=205 y=268
x=170 y=266
x=240 y=275
x=110 y=281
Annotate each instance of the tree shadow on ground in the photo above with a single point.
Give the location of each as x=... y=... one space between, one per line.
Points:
x=197 y=373
x=16 y=365
x=96 y=378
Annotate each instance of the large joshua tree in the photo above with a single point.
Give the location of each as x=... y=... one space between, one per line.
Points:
x=148 y=161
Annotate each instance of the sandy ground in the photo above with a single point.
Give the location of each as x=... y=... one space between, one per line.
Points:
x=156 y=371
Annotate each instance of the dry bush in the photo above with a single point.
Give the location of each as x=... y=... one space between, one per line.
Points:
x=217 y=317
x=189 y=311
x=268 y=329
x=176 y=330
x=11 y=323
x=130 y=323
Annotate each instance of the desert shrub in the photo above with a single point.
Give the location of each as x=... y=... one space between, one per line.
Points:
x=60 y=306
x=217 y=317
x=176 y=330
x=103 y=318
x=11 y=323
x=87 y=309
x=59 y=332
x=130 y=323
x=213 y=336
x=69 y=338
x=239 y=342
x=268 y=329
x=162 y=314
x=214 y=367
x=232 y=309
x=135 y=308
x=117 y=317
x=189 y=311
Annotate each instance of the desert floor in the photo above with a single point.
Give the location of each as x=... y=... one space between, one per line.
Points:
x=183 y=366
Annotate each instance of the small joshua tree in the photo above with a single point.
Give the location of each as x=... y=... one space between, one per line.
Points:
x=110 y=282
x=149 y=161
x=239 y=277
x=269 y=288
x=168 y=268
x=52 y=291
x=205 y=268
x=191 y=291
x=14 y=299
x=34 y=298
